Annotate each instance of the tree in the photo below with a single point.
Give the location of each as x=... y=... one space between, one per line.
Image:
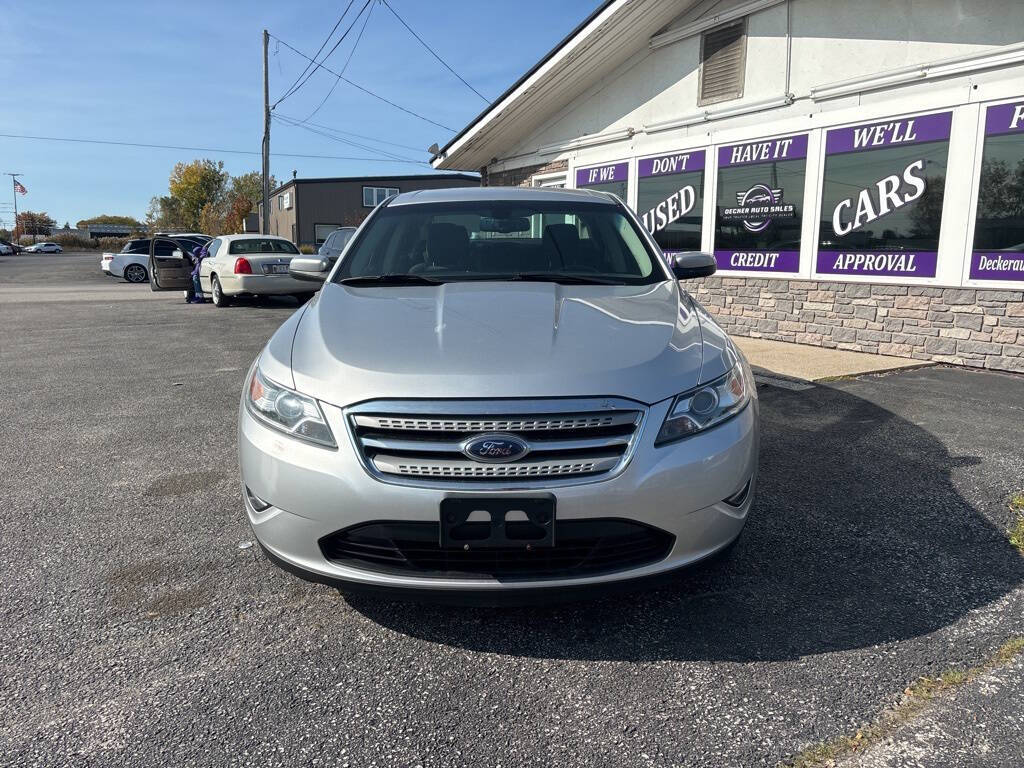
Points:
x=250 y=186
x=196 y=184
x=123 y=221
x=30 y=223
x=164 y=215
x=210 y=221
x=246 y=193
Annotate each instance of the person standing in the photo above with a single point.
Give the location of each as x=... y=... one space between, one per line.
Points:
x=195 y=293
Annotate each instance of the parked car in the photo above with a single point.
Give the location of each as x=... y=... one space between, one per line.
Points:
x=335 y=244
x=133 y=256
x=132 y=263
x=44 y=248
x=11 y=247
x=237 y=265
x=5 y=249
x=541 y=408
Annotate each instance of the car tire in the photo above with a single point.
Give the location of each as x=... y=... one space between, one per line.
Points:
x=136 y=273
x=217 y=293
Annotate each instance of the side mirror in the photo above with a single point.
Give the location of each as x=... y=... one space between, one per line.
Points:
x=692 y=264
x=310 y=270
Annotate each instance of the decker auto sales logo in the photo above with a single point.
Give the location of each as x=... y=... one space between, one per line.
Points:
x=757 y=206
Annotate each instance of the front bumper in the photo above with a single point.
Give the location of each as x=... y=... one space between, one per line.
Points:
x=678 y=488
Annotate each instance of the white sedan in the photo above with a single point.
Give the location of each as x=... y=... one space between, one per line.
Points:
x=44 y=248
x=253 y=265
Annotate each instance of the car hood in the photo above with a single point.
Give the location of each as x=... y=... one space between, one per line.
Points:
x=494 y=340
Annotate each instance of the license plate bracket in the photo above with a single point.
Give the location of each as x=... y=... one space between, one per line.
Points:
x=493 y=526
x=275 y=269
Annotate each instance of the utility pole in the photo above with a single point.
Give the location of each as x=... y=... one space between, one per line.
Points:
x=14 y=192
x=265 y=224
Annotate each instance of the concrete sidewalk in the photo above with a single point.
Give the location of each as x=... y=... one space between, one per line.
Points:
x=801 y=361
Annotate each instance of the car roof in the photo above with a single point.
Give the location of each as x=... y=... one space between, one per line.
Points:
x=501 y=194
x=254 y=236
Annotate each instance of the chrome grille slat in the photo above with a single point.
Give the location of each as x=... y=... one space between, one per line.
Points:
x=546 y=422
x=418 y=467
x=440 y=446
x=421 y=443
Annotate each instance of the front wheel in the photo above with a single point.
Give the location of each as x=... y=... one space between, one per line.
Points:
x=219 y=299
x=135 y=273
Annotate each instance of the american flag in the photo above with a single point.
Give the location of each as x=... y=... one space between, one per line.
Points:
x=20 y=188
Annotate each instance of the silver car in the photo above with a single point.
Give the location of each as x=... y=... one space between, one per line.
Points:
x=498 y=392
x=335 y=244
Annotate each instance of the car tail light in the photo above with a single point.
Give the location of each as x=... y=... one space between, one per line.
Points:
x=243 y=267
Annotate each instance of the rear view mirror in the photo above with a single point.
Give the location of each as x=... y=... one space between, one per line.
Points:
x=505 y=226
x=310 y=270
x=692 y=264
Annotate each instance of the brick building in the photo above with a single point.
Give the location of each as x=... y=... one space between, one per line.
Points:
x=856 y=168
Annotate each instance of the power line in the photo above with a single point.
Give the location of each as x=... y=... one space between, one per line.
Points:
x=350 y=133
x=323 y=45
x=304 y=77
x=349 y=142
x=361 y=88
x=194 y=149
x=344 y=68
x=433 y=52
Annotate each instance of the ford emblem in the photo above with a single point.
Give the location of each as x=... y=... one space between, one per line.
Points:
x=495 y=449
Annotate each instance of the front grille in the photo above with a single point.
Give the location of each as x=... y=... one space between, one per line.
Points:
x=582 y=548
x=428 y=447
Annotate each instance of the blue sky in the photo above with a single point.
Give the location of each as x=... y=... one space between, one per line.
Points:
x=189 y=74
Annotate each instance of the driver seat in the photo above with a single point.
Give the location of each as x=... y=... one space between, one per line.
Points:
x=447 y=248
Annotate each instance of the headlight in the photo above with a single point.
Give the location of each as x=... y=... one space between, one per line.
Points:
x=708 y=405
x=287 y=410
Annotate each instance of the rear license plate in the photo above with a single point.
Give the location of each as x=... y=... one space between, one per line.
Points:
x=275 y=269
x=497 y=522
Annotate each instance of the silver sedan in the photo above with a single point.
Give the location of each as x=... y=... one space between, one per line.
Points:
x=498 y=392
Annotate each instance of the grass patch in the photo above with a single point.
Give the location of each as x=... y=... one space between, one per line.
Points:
x=1016 y=531
x=915 y=698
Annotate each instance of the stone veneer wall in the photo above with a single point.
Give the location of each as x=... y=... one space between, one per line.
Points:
x=981 y=328
x=520 y=177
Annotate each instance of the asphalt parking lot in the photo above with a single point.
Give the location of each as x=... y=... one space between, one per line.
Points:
x=140 y=628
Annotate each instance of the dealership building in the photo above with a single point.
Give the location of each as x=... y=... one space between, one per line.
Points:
x=857 y=168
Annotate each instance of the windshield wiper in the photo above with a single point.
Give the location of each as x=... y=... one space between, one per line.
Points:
x=557 y=277
x=396 y=279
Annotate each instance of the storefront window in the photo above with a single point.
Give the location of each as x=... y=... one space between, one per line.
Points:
x=882 y=197
x=999 y=225
x=760 y=205
x=670 y=199
x=606 y=178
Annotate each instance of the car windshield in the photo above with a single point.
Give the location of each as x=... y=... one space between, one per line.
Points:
x=572 y=242
x=261 y=245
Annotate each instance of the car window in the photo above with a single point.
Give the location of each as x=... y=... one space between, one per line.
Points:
x=213 y=247
x=164 y=248
x=261 y=245
x=502 y=240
